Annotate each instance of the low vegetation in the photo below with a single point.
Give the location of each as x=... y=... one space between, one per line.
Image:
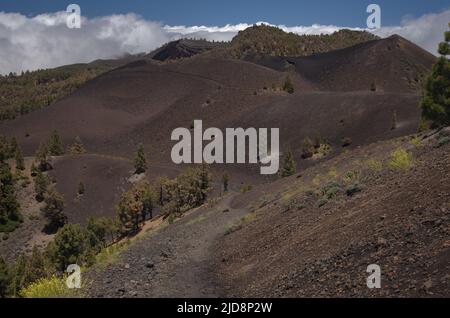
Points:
x=401 y=159
x=53 y=287
x=29 y=91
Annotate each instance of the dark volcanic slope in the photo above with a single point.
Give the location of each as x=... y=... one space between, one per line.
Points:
x=105 y=178
x=144 y=101
x=393 y=65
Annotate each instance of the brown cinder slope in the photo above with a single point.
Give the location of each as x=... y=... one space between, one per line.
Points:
x=393 y=64
x=300 y=246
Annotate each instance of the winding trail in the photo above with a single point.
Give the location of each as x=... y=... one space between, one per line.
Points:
x=174 y=262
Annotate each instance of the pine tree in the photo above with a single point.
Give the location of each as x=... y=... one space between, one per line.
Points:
x=129 y=210
x=307 y=148
x=41 y=183
x=289 y=166
x=81 y=188
x=225 y=180
x=71 y=245
x=77 y=147
x=55 y=146
x=33 y=170
x=140 y=162
x=205 y=179
x=53 y=210
x=436 y=98
x=288 y=86
x=4 y=278
x=18 y=275
x=13 y=147
x=42 y=158
x=148 y=199
x=37 y=267
x=394 y=120
x=9 y=206
x=4 y=149
x=20 y=163
x=101 y=227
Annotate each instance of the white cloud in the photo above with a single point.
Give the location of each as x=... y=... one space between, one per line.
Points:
x=426 y=31
x=43 y=41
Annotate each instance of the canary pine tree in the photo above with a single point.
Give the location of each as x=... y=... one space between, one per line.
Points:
x=436 y=98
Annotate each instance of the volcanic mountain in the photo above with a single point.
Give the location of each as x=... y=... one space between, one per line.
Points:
x=335 y=95
x=347 y=96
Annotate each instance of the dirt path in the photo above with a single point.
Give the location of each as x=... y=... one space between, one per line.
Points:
x=175 y=262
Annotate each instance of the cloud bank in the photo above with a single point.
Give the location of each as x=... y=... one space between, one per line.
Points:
x=44 y=41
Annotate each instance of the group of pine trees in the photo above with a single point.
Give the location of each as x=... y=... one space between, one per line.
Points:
x=73 y=244
x=10 y=216
x=173 y=196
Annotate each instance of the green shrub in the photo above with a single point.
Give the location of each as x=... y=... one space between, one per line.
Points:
x=330 y=190
x=53 y=287
x=353 y=189
x=351 y=176
x=374 y=165
x=322 y=202
x=401 y=160
x=246 y=188
x=442 y=141
x=346 y=142
x=233 y=228
x=324 y=149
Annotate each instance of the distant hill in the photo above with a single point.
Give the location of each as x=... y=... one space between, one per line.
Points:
x=269 y=40
x=184 y=48
x=263 y=40
x=29 y=91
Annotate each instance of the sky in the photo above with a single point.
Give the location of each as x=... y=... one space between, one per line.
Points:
x=33 y=33
x=350 y=13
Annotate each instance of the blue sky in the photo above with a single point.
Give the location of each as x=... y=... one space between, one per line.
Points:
x=210 y=12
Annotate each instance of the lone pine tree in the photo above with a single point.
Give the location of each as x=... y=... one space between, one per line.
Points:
x=41 y=183
x=225 y=181
x=289 y=165
x=53 y=210
x=55 y=146
x=436 y=98
x=140 y=162
x=42 y=158
x=18 y=156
